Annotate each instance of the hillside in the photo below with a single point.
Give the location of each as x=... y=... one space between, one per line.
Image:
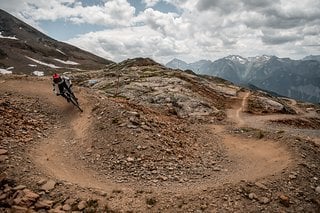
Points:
x=25 y=50
x=154 y=139
x=298 y=79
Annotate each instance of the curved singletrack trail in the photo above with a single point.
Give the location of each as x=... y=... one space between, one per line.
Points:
x=251 y=159
x=256 y=158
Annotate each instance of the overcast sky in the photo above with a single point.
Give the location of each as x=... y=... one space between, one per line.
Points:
x=186 y=29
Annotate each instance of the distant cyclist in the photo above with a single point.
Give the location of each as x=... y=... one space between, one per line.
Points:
x=60 y=83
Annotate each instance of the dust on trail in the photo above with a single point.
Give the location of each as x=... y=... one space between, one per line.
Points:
x=251 y=159
x=237 y=117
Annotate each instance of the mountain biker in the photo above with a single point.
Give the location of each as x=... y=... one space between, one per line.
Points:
x=60 y=83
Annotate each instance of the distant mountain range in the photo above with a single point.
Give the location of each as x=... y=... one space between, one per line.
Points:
x=298 y=79
x=23 y=49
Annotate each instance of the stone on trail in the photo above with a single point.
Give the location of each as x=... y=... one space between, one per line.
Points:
x=217 y=169
x=66 y=207
x=48 y=186
x=20 y=187
x=264 y=200
x=3 y=176
x=3 y=158
x=260 y=185
x=82 y=205
x=19 y=209
x=44 y=204
x=252 y=196
x=284 y=200
x=30 y=195
x=3 y=151
x=130 y=159
x=42 y=181
x=25 y=198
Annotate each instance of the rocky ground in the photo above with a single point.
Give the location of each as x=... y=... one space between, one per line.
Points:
x=155 y=140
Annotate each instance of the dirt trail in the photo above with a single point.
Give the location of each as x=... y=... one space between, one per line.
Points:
x=251 y=159
x=262 y=121
x=256 y=158
x=54 y=156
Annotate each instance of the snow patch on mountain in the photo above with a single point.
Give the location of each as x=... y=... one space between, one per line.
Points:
x=38 y=73
x=43 y=63
x=8 y=37
x=5 y=71
x=72 y=68
x=66 y=62
x=60 y=52
x=237 y=58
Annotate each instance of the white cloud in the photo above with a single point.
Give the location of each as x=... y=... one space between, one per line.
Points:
x=150 y=3
x=112 y=12
x=185 y=5
x=202 y=29
x=130 y=42
x=168 y=24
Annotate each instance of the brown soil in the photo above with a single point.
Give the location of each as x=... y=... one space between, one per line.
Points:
x=167 y=165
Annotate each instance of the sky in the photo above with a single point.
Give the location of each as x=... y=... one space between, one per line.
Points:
x=190 y=30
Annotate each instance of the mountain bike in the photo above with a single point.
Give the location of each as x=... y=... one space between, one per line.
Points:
x=72 y=98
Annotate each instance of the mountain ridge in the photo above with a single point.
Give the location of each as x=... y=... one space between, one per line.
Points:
x=26 y=50
x=298 y=79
